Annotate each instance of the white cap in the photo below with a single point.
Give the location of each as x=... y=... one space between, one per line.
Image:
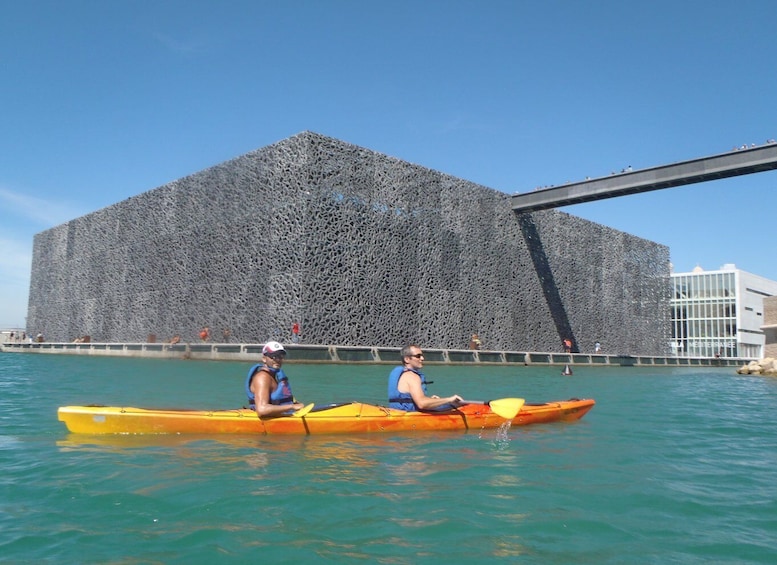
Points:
x=272 y=347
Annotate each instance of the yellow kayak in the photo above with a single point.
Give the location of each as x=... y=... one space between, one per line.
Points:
x=351 y=418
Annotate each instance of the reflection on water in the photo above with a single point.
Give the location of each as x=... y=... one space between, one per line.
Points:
x=397 y=461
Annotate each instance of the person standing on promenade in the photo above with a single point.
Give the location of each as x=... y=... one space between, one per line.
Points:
x=295 y=332
x=267 y=386
x=407 y=385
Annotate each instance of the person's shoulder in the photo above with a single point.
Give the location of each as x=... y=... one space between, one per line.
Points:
x=262 y=371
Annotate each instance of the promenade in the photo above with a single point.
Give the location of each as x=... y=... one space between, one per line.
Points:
x=252 y=352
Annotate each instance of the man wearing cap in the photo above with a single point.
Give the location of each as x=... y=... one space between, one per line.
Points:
x=267 y=386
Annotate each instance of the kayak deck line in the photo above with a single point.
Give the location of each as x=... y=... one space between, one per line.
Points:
x=354 y=417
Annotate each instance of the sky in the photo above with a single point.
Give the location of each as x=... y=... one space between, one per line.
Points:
x=101 y=100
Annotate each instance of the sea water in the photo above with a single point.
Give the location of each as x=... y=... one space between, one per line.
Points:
x=673 y=465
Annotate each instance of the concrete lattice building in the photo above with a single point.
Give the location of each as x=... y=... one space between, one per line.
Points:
x=358 y=247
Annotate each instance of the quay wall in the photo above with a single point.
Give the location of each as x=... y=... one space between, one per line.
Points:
x=252 y=352
x=359 y=248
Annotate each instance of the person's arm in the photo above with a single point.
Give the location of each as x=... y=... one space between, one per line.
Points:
x=412 y=382
x=261 y=386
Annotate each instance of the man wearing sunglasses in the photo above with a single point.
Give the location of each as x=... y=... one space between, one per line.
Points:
x=407 y=385
x=267 y=386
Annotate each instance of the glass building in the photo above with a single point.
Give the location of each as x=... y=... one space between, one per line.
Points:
x=719 y=313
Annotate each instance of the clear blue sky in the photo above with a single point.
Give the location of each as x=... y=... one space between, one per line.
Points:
x=105 y=99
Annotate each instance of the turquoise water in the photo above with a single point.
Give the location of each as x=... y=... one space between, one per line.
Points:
x=671 y=466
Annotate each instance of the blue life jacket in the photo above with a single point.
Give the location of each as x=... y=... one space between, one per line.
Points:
x=282 y=393
x=402 y=400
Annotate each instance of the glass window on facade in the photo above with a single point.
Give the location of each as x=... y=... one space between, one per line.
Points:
x=704 y=315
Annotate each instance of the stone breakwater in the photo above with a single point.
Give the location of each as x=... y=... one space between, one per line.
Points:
x=766 y=366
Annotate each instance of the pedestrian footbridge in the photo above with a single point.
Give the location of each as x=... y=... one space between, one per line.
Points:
x=734 y=163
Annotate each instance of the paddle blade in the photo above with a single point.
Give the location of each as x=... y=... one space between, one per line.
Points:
x=507 y=408
x=303 y=411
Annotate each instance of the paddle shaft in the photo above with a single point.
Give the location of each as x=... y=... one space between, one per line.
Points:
x=484 y=402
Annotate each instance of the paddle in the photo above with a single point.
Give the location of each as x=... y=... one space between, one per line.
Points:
x=303 y=411
x=506 y=408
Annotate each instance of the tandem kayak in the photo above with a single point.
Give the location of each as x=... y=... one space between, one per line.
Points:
x=351 y=418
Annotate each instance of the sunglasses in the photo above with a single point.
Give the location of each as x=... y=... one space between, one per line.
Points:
x=276 y=356
x=417 y=355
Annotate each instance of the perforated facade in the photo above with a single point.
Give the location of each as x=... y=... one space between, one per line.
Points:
x=357 y=247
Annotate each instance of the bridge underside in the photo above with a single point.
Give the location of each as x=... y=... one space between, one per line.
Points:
x=734 y=163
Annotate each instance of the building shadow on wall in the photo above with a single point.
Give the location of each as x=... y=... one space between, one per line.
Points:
x=548 y=283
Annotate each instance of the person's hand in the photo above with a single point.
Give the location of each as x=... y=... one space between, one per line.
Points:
x=455 y=399
x=298 y=406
